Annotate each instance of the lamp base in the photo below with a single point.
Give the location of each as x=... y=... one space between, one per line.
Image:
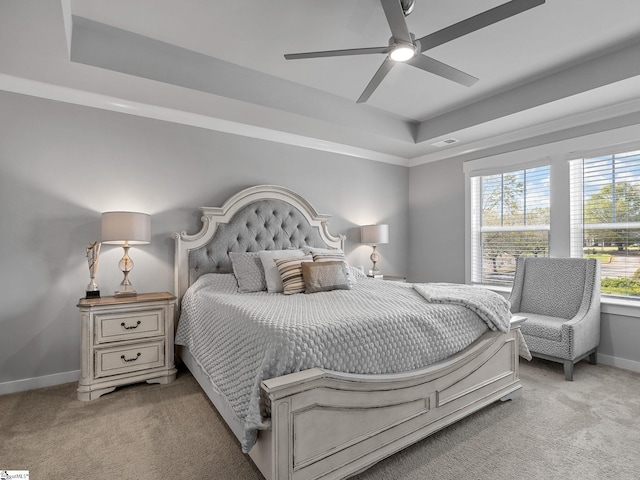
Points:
x=93 y=294
x=126 y=265
x=126 y=293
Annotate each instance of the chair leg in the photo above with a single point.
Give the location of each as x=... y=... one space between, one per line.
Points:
x=593 y=358
x=568 y=370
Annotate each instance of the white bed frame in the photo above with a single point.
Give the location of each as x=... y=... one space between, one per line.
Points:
x=331 y=425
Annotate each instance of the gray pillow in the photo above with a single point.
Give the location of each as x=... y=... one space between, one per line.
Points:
x=329 y=254
x=248 y=270
x=325 y=276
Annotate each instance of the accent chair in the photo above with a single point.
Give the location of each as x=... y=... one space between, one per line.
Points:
x=561 y=299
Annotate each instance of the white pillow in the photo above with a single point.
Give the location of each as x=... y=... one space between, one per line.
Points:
x=271 y=273
x=357 y=272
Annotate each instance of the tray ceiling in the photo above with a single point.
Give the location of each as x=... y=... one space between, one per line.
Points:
x=563 y=64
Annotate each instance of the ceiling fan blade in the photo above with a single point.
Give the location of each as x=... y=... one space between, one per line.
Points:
x=395 y=18
x=386 y=66
x=336 y=53
x=436 y=67
x=471 y=24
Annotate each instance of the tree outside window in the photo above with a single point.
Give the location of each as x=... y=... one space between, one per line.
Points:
x=606 y=218
x=511 y=213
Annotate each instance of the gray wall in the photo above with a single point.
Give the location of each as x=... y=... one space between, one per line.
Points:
x=619 y=336
x=62 y=165
x=436 y=215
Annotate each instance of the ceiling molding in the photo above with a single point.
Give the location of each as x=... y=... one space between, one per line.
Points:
x=118 y=50
x=100 y=45
x=605 y=117
x=605 y=69
x=59 y=93
x=178 y=64
x=614 y=124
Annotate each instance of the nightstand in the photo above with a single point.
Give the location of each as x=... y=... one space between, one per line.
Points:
x=125 y=340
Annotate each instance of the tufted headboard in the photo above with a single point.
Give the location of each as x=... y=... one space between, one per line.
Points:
x=264 y=217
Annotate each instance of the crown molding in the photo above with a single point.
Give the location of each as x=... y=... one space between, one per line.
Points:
x=73 y=96
x=541 y=132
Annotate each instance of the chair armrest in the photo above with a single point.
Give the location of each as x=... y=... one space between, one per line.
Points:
x=583 y=332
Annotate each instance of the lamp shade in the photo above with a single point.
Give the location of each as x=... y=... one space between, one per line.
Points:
x=126 y=227
x=374 y=234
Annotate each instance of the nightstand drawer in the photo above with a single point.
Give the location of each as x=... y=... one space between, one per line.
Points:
x=129 y=325
x=129 y=358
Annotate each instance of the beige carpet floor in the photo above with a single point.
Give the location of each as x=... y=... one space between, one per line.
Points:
x=586 y=429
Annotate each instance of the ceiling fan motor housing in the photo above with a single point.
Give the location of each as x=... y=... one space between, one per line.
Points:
x=407 y=6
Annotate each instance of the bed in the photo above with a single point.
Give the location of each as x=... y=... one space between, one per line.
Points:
x=336 y=413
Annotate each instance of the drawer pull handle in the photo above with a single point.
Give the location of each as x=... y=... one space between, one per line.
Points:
x=132 y=326
x=130 y=359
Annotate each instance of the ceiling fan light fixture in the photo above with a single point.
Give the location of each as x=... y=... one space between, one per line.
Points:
x=402 y=52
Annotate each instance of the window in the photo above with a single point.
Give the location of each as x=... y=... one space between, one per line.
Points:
x=510 y=218
x=605 y=218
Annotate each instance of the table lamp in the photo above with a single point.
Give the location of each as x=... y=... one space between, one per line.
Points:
x=126 y=229
x=374 y=235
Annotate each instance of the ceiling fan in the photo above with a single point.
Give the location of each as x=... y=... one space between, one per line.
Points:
x=404 y=47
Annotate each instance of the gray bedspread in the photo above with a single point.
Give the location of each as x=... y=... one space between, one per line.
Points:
x=377 y=327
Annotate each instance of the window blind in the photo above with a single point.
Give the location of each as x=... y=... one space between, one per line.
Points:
x=605 y=218
x=510 y=218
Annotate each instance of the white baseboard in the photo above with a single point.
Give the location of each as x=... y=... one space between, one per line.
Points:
x=39 y=382
x=619 y=362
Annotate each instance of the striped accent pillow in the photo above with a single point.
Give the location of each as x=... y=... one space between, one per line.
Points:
x=290 y=270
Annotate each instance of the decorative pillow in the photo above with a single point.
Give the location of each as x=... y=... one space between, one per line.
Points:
x=271 y=274
x=290 y=270
x=325 y=276
x=249 y=271
x=331 y=254
x=357 y=272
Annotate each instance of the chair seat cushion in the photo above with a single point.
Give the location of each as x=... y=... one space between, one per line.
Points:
x=542 y=326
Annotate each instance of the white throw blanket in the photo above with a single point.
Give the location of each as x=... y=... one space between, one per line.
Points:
x=492 y=307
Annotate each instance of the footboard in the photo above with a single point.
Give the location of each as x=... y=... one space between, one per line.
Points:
x=331 y=425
